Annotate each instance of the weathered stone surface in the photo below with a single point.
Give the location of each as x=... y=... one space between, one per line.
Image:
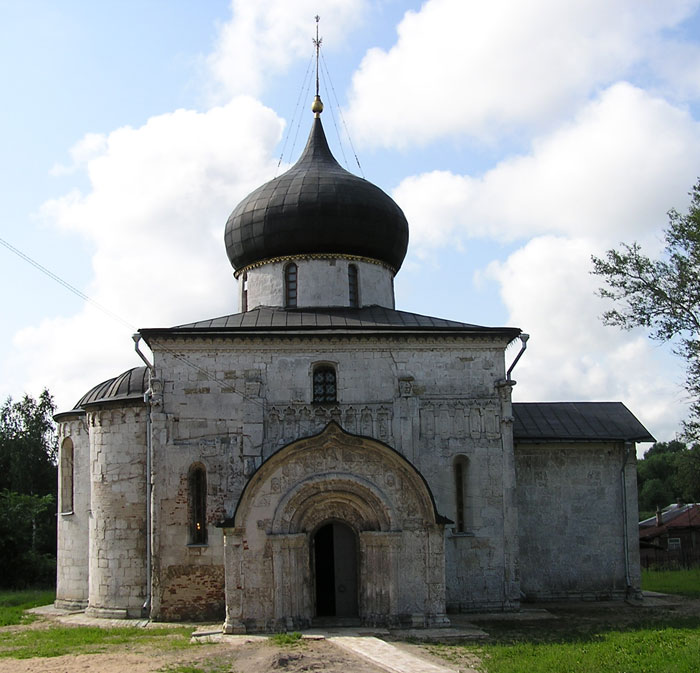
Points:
x=571 y=534
x=242 y=409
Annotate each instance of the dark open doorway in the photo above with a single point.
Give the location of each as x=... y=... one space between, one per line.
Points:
x=335 y=563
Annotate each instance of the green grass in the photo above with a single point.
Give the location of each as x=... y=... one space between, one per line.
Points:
x=684 y=582
x=58 y=640
x=14 y=603
x=286 y=638
x=671 y=647
x=208 y=667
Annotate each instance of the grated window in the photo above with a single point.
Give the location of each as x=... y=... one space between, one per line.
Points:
x=290 y=285
x=324 y=384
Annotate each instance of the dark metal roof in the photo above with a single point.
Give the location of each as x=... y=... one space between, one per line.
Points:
x=131 y=385
x=316 y=207
x=367 y=318
x=576 y=421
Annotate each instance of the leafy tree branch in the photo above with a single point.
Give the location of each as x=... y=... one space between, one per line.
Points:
x=662 y=295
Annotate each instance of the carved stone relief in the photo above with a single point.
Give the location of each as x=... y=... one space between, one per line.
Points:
x=284 y=424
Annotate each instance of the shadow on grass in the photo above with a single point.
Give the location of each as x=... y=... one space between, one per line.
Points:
x=569 y=629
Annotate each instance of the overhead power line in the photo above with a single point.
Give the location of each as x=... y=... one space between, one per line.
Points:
x=67 y=285
x=56 y=278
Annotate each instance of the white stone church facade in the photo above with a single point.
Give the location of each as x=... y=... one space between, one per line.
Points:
x=322 y=454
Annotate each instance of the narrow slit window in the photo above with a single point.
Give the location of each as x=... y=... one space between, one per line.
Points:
x=353 y=289
x=460 y=476
x=198 y=505
x=67 y=475
x=324 y=384
x=244 y=292
x=290 y=285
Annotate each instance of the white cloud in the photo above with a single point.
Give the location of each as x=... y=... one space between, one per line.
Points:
x=89 y=146
x=608 y=175
x=263 y=38
x=158 y=199
x=611 y=173
x=485 y=68
x=549 y=292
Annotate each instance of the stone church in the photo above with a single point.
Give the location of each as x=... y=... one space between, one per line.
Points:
x=323 y=454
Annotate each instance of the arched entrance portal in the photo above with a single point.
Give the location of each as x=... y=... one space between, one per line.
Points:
x=335 y=526
x=335 y=568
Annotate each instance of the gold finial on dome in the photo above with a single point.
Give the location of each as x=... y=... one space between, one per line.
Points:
x=317 y=105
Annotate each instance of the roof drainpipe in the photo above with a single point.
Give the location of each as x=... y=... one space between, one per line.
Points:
x=137 y=338
x=146 y=607
x=523 y=338
x=623 y=483
x=504 y=387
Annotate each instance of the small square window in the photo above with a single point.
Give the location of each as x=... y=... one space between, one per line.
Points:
x=324 y=382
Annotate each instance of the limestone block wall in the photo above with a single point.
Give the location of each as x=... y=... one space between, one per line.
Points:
x=571 y=520
x=73 y=517
x=117 y=531
x=320 y=282
x=233 y=403
x=188 y=578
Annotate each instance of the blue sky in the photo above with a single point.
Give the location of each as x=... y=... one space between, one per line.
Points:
x=518 y=138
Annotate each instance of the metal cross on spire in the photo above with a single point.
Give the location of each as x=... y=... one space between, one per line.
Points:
x=317 y=43
x=317 y=105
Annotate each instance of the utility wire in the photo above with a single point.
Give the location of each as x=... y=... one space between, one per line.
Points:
x=335 y=126
x=340 y=113
x=67 y=285
x=294 y=115
x=209 y=376
x=296 y=133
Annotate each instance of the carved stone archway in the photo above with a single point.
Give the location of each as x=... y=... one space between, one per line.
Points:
x=334 y=476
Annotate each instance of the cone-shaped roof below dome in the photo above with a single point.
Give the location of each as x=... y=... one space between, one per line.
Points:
x=316 y=207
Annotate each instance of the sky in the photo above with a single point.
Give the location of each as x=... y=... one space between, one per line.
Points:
x=518 y=138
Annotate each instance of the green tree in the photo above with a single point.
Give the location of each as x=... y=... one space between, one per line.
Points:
x=688 y=474
x=28 y=448
x=669 y=472
x=28 y=482
x=654 y=493
x=26 y=521
x=662 y=295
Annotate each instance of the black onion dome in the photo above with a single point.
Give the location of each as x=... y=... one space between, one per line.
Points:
x=316 y=207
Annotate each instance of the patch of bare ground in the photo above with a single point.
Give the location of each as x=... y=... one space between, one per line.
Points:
x=545 y=622
x=260 y=656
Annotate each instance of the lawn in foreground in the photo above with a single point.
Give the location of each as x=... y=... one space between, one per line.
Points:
x=685 y=582
x=59 y=640
x=14 y=603
x=670 y=647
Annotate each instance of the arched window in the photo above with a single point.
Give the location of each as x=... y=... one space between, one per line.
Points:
x=353 y=288
x=198 y=504
x=461 y=467
x=67 y=475
x=244 y=292
x=324 y=384
x=290 y=285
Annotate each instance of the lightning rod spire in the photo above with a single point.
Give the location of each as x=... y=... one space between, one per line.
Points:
x=317 y=105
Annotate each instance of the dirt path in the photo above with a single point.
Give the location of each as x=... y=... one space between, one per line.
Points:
x=256 y=655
